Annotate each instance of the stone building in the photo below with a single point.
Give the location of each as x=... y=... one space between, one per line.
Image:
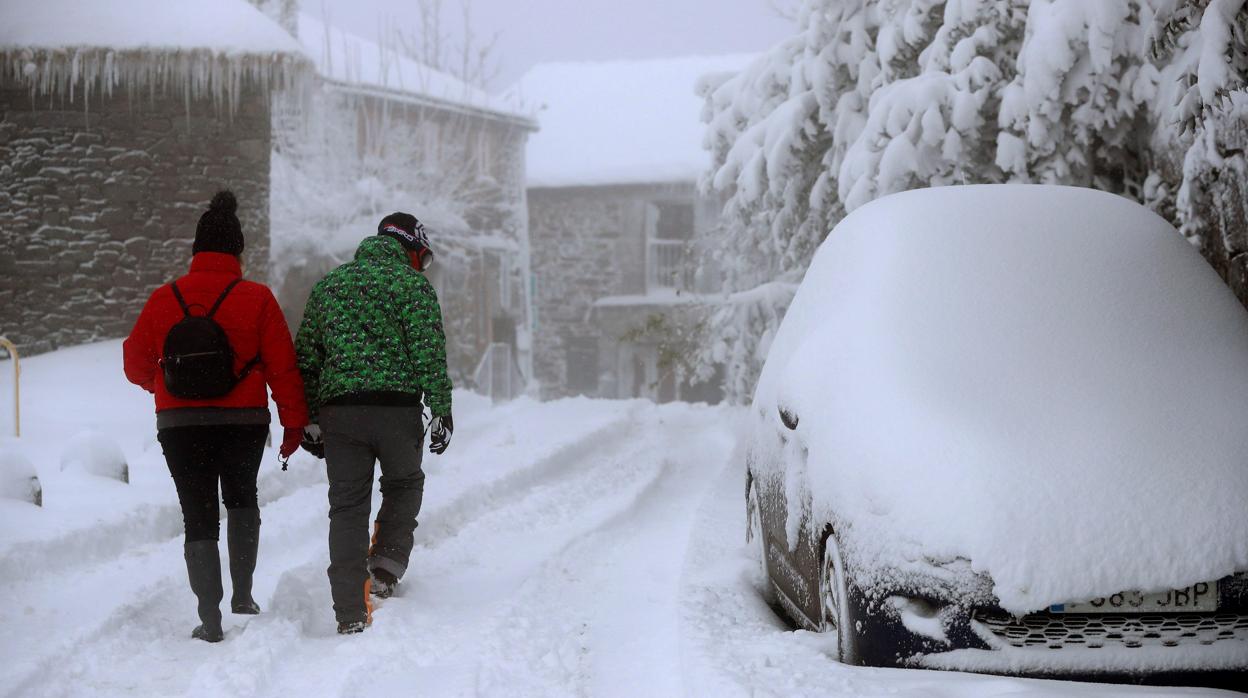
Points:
x=110 y=149
x=615 y=216
x=379 y=132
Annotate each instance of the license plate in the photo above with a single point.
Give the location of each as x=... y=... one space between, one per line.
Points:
x=1194 y=599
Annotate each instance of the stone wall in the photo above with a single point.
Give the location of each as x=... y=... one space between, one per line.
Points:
x=98 y=206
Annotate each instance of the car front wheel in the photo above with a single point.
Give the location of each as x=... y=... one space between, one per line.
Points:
x=834 y=600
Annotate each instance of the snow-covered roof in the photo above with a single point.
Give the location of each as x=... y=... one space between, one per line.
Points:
x=352 y=60
x=221 y=26
x=618 y=122
x=192 y=47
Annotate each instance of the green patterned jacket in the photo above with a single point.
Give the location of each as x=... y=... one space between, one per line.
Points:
x=373 y=324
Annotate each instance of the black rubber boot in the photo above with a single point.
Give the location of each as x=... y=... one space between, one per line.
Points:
x=243 y=536
x=203 y=567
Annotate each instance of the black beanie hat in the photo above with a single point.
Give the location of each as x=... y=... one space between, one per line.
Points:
x=219 y=229
x=406 y=229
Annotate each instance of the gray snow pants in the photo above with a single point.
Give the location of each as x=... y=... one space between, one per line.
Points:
x=357 y=436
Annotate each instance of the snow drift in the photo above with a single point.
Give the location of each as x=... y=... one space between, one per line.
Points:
x=1046 y=380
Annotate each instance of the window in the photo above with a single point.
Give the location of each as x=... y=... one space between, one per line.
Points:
x=669 y=229
x=675 y=220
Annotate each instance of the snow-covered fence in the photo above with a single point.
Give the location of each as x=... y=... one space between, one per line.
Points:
x=17 y=385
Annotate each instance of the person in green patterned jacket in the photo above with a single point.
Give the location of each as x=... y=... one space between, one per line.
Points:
x=370 y=348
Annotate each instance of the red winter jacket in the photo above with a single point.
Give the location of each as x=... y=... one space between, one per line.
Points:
x=251 y=319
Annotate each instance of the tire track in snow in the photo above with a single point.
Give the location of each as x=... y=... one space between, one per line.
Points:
x=550 y=594
x=617 y=584
x=477 y=501
x=161 y=607
x=544 y=504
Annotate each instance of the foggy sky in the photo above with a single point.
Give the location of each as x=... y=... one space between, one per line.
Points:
x=534 y=31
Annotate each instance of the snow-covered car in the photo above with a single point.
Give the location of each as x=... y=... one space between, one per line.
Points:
x=1004 y=428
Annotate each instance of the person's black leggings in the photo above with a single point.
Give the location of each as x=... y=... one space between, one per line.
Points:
x=200 y=456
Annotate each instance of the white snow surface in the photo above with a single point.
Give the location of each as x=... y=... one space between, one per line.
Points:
x=1048 y=381
x=570 y=548
x=618 y=122
x=349 y=58
x=220 y=26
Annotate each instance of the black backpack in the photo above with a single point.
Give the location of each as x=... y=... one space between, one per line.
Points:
x=198 y=360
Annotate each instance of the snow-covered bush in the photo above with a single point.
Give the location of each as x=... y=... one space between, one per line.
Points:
x=95 y=453
x=18 y=479
x=874 y=97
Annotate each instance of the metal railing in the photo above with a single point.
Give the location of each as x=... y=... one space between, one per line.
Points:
x=17 y=385
x=498 y=375
x=665 y=264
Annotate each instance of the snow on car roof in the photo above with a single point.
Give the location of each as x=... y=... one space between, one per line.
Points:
x=618 y=122
x=1049 y=381
x=225 y=26
x=352 y=59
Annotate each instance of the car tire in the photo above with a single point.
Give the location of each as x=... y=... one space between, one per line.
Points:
x=834 y=602
x=757 y=541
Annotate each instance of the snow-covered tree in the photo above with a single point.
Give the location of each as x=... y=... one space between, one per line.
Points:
x=1200 y=108
x=1072 y=113
x=871 y=97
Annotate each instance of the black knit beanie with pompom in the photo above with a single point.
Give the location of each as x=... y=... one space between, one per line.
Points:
x=219 y=229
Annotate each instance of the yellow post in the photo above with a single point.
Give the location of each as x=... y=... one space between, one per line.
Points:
x=17 y=386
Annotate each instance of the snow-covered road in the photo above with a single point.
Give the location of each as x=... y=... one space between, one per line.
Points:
x=572 y=548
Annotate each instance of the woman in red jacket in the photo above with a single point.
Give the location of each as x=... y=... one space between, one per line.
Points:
x=211 y=439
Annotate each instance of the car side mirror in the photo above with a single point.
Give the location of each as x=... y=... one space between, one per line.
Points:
x=789 y=418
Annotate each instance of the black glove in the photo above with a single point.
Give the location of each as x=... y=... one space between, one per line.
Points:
x=440 y=429
x=312 y=441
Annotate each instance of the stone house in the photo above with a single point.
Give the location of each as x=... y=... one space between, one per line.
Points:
x=116 y=129
x=379 y=132
x=615 y=222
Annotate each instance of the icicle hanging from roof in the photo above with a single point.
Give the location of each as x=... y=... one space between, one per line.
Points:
x=196 y=73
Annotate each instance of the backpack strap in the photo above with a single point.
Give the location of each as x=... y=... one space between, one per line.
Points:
x=186 y=310
x=221 y=298
x=255 y=360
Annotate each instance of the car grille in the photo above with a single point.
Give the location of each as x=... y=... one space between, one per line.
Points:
x=1058 y=631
